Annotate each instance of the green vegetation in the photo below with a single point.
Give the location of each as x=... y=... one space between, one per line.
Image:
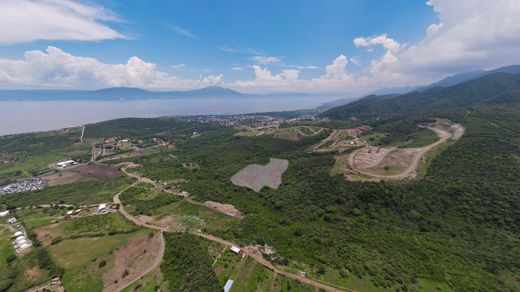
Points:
x=423 y=138
x=18 y=273
x=186 y=264
x=143 y=199
x=81 y=258
x=149 y=283
x=30 y=154
x=34 y=217
x=77 y=194
x=97 y=225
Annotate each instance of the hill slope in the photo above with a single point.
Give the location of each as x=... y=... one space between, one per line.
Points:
x=493 y=89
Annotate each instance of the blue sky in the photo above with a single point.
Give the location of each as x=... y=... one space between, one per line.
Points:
x=257 y=46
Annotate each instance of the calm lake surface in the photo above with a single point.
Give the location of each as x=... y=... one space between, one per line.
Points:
x=29 y=116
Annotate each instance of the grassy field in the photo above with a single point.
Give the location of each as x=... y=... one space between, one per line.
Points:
x=149 y=283
x=88 y=226
x=35 y=217
x=199 y=217
x=423 y=138
x=18 y=272
x=77 y=194
x=81 y=259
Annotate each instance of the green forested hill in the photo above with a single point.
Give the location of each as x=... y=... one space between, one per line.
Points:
x=494 y=89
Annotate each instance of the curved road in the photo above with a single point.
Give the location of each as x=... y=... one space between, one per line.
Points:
x=443 y=135
x=256 y=257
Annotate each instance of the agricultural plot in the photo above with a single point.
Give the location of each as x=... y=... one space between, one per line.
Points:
x=86 y=259
x=256 y=176
x=82 y=173
x=88 y=226
x=35 y=217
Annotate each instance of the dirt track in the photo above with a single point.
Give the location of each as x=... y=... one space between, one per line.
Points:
x=256 y=257
x=444 y=136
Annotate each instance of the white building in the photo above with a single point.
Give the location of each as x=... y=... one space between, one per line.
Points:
x=66 y=163
x=11 y=220
x=228 y=285
x=235 y=249
x=70 y=212
x=4 y=213
x=102 y=208
x=17 y=233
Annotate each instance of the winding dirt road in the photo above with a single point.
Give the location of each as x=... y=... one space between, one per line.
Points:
x=256 y=257
x=443 y=135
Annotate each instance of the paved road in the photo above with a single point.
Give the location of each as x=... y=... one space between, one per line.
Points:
x=256 y=257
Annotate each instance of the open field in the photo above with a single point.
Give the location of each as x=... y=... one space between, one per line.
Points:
x=82 y=173
x=256 y=176
x=94 y=225
x=82 y=259
x=133 y=260
x=341 y=140
x=84 y=193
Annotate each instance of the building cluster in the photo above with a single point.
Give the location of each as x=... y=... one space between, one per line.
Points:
x=235 y=120
x=32 y=184
x=19 y=237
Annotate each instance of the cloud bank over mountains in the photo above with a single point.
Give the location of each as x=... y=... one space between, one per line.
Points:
x=470 y=34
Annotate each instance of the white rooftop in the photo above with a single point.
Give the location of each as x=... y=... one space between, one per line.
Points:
x=228 y=285
x=235 y=249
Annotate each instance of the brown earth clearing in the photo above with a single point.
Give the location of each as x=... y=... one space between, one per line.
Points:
x=82 y=173
x=227 y=209
x=134 y=260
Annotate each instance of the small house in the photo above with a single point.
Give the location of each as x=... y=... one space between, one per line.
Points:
x=228 y=285
x=11 y=220
x=102 y=208
x=235 y=249
x=4 y=213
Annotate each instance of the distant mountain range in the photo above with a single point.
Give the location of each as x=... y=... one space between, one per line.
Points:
x=116 y=93
x=446 y=82
x=495 y=88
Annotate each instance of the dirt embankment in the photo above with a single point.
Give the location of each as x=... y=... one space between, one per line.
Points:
x=227 y=209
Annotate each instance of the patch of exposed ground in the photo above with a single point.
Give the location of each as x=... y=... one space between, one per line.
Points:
x=47 y=233
x=227 y=209
x=255 y=176
x=164 y=222
x=132 y=260
x=369 y=157
x=371 y=163
x=341 y=140
x=82 y=173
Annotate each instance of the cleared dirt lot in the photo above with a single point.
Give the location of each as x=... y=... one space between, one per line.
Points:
x=227 y=209
x=399 y=163
x=255 y=176
x=133 y=260
x=82 y=173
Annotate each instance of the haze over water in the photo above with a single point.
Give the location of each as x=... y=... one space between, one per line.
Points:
x=29 y=116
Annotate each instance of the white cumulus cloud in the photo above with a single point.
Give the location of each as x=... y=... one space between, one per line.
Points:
x=30 y=20
x=54 y=68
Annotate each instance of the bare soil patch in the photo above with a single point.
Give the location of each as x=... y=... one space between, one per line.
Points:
x=33 y=273
x=369 y=157
x=131 y=259
x=227 y=209
x=255 y=176
x=82 y=173
x=47 y=233
x=395 y=162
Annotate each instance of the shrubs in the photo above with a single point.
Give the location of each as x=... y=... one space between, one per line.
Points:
x=102 y=264
x=186 y=264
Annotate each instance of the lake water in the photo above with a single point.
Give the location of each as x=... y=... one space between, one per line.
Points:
x=30 y=116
